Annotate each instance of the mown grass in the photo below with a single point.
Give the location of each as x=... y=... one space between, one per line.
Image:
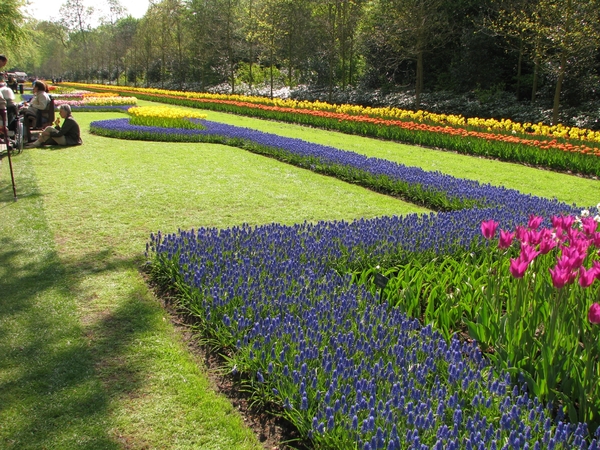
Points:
x=88 y=358
x=529 y=180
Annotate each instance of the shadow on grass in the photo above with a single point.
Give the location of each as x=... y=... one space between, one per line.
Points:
x=24 y=183
x=57 y=377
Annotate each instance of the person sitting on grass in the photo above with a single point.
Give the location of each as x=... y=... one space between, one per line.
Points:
x=67 y=134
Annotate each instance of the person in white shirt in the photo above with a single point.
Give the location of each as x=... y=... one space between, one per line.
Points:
x=30 y=110
x=40 y=99
x=7 y=100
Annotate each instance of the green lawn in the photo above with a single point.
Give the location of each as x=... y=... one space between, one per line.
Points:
x=529 y=180
x=88 y=357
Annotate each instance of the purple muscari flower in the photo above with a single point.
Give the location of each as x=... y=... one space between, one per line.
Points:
x=330 y=423
x=310 y=307
x=321 y=428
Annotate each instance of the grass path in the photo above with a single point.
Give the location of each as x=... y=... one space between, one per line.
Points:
x=570 y=189
x=88 y=358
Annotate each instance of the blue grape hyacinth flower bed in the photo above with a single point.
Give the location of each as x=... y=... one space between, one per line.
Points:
x=346 y=369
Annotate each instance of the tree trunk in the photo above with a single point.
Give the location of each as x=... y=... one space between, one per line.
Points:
x=536 y=71
x=271 y=67
x=419 y=81
x=557 y=91
x=519 y=66
x=331 y=61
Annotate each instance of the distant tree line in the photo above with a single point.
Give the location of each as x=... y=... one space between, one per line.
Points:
x=533 y=48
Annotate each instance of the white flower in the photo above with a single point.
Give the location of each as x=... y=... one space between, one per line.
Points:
x=585 y=213
x=597 y=218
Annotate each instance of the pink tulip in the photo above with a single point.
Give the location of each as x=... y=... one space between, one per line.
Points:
x=596 y=265
x=488 y=228
x=594 y=314
x=518 y=267
x=574 y=235
x=561 y=223
x=568 y=221
x=561 y=276
x=557 y=221
x=587 y=276
x=535 y=222
x=589 y=225
x=546 y=245
x=528 y=253
x=506 y=238
x=572 y=257
x=521 y=233
x=534 y=237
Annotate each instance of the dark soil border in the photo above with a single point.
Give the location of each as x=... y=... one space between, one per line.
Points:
x=275 y=433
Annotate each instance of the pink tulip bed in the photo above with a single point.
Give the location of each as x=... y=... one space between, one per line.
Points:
x=476 y=327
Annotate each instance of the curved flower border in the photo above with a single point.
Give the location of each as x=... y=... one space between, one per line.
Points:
x=347 y=370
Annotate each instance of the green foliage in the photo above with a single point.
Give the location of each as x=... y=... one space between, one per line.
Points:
x=260 y=74
x=525 y=326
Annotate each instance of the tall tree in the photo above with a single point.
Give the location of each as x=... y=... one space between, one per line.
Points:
x=76 y=18
x=226 y=37
x=51 y=40
x=408 y=30
x=507 y=18
x=298 y=37
x=11 y=24
x=269 y=34
x=573 y=32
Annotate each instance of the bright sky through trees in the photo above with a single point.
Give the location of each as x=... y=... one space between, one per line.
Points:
x=49 y=9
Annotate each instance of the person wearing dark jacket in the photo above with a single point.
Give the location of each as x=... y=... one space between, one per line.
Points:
x=67 y=134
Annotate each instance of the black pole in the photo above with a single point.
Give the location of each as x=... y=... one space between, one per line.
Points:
x=8 y=149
